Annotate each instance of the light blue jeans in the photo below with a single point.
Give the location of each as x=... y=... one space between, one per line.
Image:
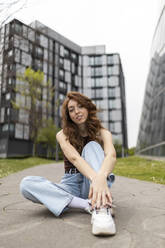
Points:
x=56 y=196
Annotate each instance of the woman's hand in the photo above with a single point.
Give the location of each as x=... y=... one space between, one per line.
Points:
x=99 y=192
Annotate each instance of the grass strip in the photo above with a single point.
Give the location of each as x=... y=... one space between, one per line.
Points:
x=141 y=168
x=9 y=166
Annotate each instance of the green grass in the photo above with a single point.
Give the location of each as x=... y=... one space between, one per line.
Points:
x=133 y=167
x=141 y=168
x=9 y=166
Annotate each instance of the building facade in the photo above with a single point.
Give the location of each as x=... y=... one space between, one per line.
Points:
x=68 y=67
x=151 y=137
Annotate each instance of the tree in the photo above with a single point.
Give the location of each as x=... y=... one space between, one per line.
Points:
x=33 y=98
x=47 y=137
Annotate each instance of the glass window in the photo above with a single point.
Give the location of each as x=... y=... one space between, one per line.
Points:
x=61 y=51
x=116 y=59
x=23 y=116
x=110 y=59
x=8 y=96
x=45 y=69
x=2 y=116
x=66 y=52
x=61 y=74
x=98 y=60
x=113 y=70
x=50 y=69
x=17 y=55
x=51 y=57
x=43 y=41
x=39 y=52
x=45 y=54
x=113 y=81
x=63 y=85
x=91 y=61
x=115 y=115
x=67 y=64
x=115 y=104
x=73 y=56
x=50 y=45
x=31 y=35
x=68 y=77
x=114 y=92
x=26 y=59
x=18 y=28
x=26 y=132
x=25 y=31
x=19 y=131
x=5 y=127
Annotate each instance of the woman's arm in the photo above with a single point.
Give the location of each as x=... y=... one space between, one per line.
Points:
x=99 y=191
x=74 y=157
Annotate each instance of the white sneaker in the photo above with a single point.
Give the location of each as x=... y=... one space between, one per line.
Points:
x=102 y=222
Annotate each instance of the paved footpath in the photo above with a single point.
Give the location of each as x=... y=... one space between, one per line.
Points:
x=140 y=216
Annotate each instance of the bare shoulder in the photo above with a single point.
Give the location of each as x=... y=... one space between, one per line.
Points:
x=105 y=134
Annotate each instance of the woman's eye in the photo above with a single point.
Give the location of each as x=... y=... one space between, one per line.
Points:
x=80 y=106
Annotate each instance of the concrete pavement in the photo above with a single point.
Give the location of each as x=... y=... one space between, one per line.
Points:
x=140 y=216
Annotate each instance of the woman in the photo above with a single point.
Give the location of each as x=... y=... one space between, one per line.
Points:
x=89 y=158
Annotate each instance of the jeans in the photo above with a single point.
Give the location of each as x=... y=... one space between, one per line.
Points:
x=56 y=196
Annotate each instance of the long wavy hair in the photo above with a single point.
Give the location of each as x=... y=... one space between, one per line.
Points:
x=93 y=124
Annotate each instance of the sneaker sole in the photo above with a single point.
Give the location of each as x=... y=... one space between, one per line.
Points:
x=103 y=231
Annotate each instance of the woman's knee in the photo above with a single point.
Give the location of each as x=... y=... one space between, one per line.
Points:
x=93 y=154
x=27 y=183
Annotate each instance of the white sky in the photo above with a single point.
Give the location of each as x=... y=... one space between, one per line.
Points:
x=124 y=26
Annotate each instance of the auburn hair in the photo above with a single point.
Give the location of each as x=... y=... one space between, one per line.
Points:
x=93 y=124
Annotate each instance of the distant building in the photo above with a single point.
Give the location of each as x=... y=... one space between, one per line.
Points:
x=151 y=138
x=69 y=67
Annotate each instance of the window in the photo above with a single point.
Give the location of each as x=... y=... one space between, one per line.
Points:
x=23 y=116
x=115 y=115
x=17 y=55
x=2 y=116
x=43 y=41
x=18 y=28
x=26 y=132
x=67 y=77
x=5 y=127
x=31 y=35
x=25 y=30
x=67 y=64
x=8 y=96
x=61 y=74
x=51 y=45
x=98 y=60
x=39 y=52
x=96 y=71
x=115 y=104
x=26 y=59
x=113 y=70
x=61 y=51
x=114 y=92
x=110 y=59
x=19 y=131
x=113 y=81
x=66 y=52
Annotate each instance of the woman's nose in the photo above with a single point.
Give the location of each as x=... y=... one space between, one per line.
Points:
x=76 y=110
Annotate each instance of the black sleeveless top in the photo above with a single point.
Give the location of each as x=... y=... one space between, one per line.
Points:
x=67 y=164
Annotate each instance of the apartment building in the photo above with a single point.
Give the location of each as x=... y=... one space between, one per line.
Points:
x=67 y=66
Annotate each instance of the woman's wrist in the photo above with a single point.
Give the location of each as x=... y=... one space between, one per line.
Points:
x=103 y=174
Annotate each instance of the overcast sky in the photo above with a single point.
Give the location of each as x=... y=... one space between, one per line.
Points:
x=124 y=26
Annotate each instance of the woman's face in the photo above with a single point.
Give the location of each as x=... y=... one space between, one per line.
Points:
x=77 y=113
